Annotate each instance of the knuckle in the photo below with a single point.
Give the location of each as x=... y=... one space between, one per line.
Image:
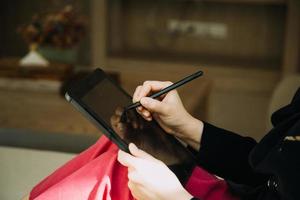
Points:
x=138 y=87
x=168 y=83
x=146 y=83
x=145 y=117
x=136 y=92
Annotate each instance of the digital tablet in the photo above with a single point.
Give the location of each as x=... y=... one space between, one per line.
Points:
x=102 y=101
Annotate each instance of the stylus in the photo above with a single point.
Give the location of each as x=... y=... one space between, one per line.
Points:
x=167 y=89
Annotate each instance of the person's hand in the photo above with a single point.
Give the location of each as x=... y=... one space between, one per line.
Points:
x=169 y=112
x=149 y=178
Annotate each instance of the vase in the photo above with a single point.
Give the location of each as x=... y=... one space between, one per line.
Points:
x=33 y=58
x=60 y=55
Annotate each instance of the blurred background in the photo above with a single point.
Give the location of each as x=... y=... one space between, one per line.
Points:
x=249 y=51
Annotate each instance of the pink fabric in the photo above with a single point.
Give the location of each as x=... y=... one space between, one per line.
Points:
x=95 y=174
x=206 y=186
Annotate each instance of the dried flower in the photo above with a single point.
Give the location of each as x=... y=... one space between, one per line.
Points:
x=63 y=29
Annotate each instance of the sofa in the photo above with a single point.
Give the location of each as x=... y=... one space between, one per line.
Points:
x=27 y=157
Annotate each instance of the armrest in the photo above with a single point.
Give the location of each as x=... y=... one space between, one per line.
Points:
x=70 y=143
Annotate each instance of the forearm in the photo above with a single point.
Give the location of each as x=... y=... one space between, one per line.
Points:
x=191 y=132
x=225 y=154
x=220 y=151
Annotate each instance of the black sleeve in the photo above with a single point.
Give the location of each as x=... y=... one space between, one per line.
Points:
x=225 y=154
x=287 y=111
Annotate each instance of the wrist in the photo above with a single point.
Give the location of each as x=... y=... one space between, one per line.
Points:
x=192 y=132
x=181 y=195
x=196 y=129
x=185 y=195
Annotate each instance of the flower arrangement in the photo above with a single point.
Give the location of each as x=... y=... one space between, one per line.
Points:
x=62 y=29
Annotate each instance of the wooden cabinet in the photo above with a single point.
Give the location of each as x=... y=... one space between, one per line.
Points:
x=261 y=34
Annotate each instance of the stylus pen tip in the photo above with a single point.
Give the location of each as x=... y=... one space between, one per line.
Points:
x=135 y=105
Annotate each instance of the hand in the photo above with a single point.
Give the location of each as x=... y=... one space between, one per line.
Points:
x=169 y=112
x=149 y=178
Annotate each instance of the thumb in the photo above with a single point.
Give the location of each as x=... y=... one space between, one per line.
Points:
x=138 y=152
x=153 y=105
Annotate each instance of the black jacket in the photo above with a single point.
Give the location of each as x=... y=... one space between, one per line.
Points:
x=266 y=170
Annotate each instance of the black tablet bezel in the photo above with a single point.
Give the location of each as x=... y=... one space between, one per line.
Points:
x=79 y=90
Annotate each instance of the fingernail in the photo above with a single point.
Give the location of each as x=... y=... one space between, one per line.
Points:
x=149 y=119
x=146 y=113
x=133 y=146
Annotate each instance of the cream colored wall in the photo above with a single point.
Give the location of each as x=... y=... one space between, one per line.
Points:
x=240 y=100
x=239 y=111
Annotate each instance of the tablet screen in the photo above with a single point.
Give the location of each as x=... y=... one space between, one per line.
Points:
x=107 y=102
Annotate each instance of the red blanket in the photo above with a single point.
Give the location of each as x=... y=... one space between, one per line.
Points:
x=95 y=174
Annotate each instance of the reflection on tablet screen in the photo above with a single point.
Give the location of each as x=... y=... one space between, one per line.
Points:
x=108 y=101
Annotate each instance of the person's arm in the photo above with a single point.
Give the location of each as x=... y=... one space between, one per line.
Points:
x=225 y=154
x=221 y=152
x=169 y=112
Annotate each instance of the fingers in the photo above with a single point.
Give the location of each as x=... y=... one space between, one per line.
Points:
x=136 y=94
x=150 y=87
x=138 y=152
x=145 y=113
x=140 y=109
x=127 y=159
x=145 y=90
x=136 y=190
x=136 y=159
x=154 y=105
x=132 y=163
